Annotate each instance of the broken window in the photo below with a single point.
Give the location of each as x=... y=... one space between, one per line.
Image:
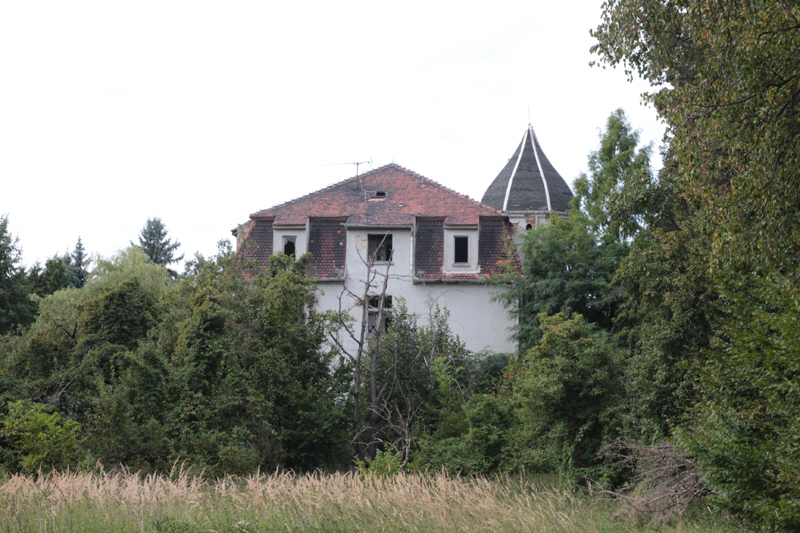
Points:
x=462 y=250
x=289 y=245
x=379 y=248
x=372 y=314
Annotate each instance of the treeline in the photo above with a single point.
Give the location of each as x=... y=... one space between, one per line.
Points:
x=219 y=370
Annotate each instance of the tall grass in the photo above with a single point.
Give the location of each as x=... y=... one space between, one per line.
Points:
x=182 y=502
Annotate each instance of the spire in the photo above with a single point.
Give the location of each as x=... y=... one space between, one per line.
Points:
x=528 y=183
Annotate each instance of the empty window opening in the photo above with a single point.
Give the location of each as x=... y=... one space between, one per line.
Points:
x=528 y=226
x=372 y=315
x=380 y=194
x=379 y=249
x=462 y=249
x=289 y=244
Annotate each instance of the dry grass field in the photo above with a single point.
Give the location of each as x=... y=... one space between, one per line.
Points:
x=179 y=503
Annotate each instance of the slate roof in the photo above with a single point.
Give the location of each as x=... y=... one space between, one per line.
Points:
x=495 y=248
x=258 y=242
x=429 y=255
x=327 y=242
x=407 y=195
x=535 y=186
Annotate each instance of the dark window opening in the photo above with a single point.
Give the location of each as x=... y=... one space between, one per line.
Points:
x=372 y=315
x=380 y=194
x=379 y=248
x=462 y=249
x=289 y=245
x=528 y=226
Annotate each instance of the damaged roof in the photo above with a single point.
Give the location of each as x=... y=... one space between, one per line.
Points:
x=387 y=196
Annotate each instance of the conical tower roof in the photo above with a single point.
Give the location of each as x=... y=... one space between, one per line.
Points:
x=528 y=183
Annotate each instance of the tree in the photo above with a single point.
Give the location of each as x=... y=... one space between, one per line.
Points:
x=15 y=307
x=744 y=431
x=226 y=370
x=727 y=78
x=669 y=314
x=356 y=341
x=565 y=269
x=568 y=265
x=45 y=441
x=154 y=242
x=570 y=391
x=78 y=262
x=613 y=166
x=731 y=110
x=417 y=378
x=53 y=277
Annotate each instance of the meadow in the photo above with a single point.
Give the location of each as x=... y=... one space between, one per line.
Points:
x=184 y=503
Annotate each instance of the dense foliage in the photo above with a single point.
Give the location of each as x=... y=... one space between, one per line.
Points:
x=726 y=79
x=224 y=372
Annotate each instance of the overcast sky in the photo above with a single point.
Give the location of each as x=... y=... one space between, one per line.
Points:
x=201 y=113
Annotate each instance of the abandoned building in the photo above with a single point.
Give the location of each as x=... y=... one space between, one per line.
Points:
x=432 y=245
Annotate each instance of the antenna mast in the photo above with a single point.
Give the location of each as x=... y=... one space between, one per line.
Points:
x=357 y=164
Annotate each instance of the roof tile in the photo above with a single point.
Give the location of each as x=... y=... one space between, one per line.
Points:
x=408 y=195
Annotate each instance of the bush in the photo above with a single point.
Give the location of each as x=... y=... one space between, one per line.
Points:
x=45 y=441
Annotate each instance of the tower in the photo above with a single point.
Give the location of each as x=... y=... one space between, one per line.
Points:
x=528 y=188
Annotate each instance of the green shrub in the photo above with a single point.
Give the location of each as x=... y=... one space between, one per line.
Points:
x=385 y=463
x=45 y=441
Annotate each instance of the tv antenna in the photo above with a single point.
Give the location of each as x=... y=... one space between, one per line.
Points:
x=356 y=163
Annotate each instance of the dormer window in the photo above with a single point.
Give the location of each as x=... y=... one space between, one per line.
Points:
x=461 y=249
x=379 y=248
x=289 y=245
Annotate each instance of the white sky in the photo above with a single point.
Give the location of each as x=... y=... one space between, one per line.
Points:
x=203 y=112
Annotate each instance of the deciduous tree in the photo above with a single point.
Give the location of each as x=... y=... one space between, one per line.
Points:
x=726 y=78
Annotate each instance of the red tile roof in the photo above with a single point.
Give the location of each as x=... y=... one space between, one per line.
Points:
x=407 y=195
x=408 y=199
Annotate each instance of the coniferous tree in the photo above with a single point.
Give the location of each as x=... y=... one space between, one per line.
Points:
x=160 y=249
x=52 y=277
x=615 y=165
x=15 y=307
x=78 y=262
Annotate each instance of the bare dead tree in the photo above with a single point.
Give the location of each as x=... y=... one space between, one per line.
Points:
x=343 y=322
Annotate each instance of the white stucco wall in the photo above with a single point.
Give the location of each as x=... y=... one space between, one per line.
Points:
x=479 y=322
